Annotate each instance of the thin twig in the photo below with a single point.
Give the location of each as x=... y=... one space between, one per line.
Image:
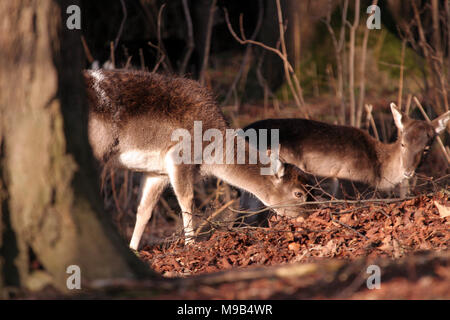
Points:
x=351 y=62
x=289 y=71
x=190 y=44
x=111 y=48
x=408 y=104
x=212 y=10
x=160 y=47
x=297 y=93
x=372 y=122
x=347 y=226
x=162 y=56
x=402 y=67
x=213 y=215
x=362 y=76
x=122 y=23
x=338 y=49
x=87 y=52
x=301 y=204
x=113 y=188
x=247 y=51
x=127 y=64
x=141 y=58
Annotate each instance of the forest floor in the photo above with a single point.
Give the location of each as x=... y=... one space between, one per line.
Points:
x=325 y=255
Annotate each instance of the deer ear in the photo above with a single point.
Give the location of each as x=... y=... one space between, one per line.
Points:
x=440 y=123
x=398 y=116
x=278 y=164
x=280 y=169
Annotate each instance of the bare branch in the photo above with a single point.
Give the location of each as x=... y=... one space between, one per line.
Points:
x=141 y=58
x=111 y=50
x=247 y=50
x=289 y=71
x=338 y=49
x=87 y=52
x=402 y=67
x=362 y=77
x=213 y=215
x=207 y=42
x=351 y=63
x=122 y=23
x=161 y=50
x=369 y=109
x=249 y=41
x=190 y=32
x=162 y=56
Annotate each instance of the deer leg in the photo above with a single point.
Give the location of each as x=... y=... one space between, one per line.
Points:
x=403 y=188
x=151 y=191
x=334 y=187
x=182 y=180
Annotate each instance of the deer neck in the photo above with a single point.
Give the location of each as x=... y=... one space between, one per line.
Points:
x=247 y=176
x=392 y=170
x=244 y=176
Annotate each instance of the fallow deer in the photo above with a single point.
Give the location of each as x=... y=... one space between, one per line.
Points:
x=349 y=153
x=132 y=117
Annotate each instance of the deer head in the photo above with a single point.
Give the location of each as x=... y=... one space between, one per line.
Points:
x=415 y=137
x=290 y=188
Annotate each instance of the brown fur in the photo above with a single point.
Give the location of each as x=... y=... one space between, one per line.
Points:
x=149 y=100
x=349 y=153
x=132 y=117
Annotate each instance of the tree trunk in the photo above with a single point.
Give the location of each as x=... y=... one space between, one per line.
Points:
x=50 y=205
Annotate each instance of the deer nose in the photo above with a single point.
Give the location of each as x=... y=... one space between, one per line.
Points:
x=408 y=174
x=288 y=212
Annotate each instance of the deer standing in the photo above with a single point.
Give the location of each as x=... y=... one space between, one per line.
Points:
x=132 y=116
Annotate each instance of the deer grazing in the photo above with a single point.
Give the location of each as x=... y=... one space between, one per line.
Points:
x=349 y=153
x=132 y=118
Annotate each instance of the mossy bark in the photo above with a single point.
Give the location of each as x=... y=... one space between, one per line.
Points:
x=48 y=185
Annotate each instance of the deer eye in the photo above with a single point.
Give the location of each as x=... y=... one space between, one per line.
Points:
x=298 y=194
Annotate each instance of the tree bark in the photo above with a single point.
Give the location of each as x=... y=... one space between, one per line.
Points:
x=50 y=203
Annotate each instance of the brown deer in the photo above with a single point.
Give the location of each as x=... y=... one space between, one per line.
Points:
x=132 y=118
x=349 y=153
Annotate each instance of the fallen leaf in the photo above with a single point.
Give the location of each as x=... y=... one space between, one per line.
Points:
x=294 y=246
x=443 y=210
x=331 y=248
x=386 y=244
x=300 y=219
